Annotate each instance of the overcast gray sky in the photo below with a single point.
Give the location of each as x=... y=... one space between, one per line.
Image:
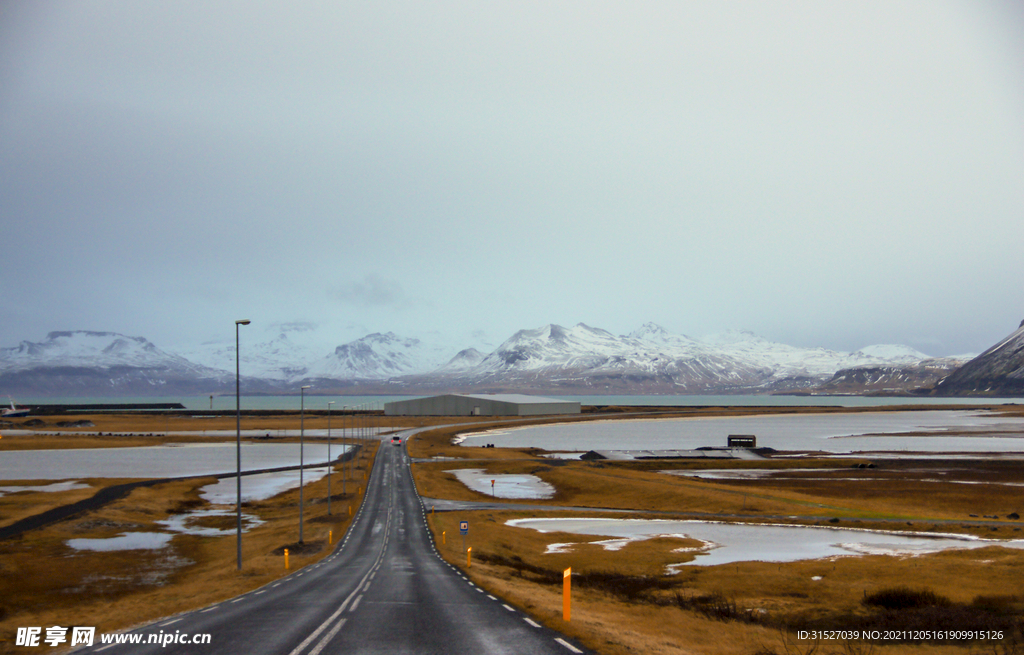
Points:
x=830 y=174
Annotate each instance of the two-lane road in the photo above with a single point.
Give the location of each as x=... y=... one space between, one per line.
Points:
x=383 y=590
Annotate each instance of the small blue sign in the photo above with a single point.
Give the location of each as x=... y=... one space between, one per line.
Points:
x=464 y=527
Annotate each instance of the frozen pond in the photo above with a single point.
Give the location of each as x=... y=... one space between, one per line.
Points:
x=260 y=486
x=188 y=523
x=69 y=485
x=505 y=486
x=948 y=431
x=168 y=461
x=126 y=541
x=734 y=542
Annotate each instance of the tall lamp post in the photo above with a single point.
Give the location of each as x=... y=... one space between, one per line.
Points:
x=344 y=450
x=329 y=464
x=302 y=442
x=238 y=441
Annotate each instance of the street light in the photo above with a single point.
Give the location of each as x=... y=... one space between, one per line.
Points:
x=238 y=441
x=344 y=451
x=329 y=464
x=302 y=441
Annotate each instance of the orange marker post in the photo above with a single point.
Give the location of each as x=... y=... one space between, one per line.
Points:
x=444 y=540
x=469 y=557
x=286 y=558
x=566 y=592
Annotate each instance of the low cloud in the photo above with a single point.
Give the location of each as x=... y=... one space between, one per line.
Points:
x=373 y=291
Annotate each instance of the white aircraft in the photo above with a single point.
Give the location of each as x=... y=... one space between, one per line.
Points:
x=14 y=411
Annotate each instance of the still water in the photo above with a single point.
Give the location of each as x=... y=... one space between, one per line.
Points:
x=927 y=431
x=168 y=461
x=733 y=542
x=315 y=402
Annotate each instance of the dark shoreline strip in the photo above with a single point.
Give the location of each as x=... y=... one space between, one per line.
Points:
x=109 y=494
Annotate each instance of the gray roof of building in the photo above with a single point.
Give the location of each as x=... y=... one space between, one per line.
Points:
x=518 y=398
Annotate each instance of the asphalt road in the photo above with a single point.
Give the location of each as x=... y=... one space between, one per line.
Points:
x=383 y=590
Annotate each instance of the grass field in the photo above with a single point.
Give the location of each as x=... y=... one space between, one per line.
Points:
x=45 y=582
x=623 y=601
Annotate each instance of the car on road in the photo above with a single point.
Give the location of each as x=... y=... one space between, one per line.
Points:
x=396 y=441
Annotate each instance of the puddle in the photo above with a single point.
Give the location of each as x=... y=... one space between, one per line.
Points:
x=261 y=486
x=69 y=485
x=188 y=523
x=505 y=486
x=732 y=542
x=126 y=541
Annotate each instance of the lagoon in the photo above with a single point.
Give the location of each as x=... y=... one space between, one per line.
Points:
x=168 y=461
x=936 y=431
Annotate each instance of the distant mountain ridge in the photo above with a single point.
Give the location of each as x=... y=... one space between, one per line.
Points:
x=550 y=359
x=102 y=363
x=999 y=371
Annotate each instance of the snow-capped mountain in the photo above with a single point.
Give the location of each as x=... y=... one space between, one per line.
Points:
x=378 y=357
x=94 y=350
x=87 y=363
x=653 y=360
x=550 y=359
x=281 y=357
x=463 y=361
x=999 y=371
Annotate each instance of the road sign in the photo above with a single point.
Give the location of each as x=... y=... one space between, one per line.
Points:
x=464 y=527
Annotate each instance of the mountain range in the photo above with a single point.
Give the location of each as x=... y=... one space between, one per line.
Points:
x=551 y=359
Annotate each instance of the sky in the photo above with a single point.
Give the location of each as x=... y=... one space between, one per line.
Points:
x=824 y=174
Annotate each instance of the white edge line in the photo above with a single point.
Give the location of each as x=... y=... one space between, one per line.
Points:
x=568 y=645
x=532 y=622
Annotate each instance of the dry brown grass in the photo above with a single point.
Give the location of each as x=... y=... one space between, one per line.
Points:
x=113 y=590
x=623 y=602
x=16 y=505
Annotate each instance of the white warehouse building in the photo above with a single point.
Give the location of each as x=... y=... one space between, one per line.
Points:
x=506 y=404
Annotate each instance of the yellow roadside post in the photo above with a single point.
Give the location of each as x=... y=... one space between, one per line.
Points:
x=566 y=592
x=350 y=510
x=330 y=537
x=469 y=557
x=443 y=539
x=285 y=558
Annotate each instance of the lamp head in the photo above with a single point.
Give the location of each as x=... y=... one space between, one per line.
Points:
x=243 y=322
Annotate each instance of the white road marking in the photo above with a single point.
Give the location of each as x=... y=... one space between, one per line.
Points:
x=491 y=597
x=330 y=635
x=355 y=603
x=532 y=622
x=161 y=625
x=511 y=609
x=209 y=609
x=568 y=645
